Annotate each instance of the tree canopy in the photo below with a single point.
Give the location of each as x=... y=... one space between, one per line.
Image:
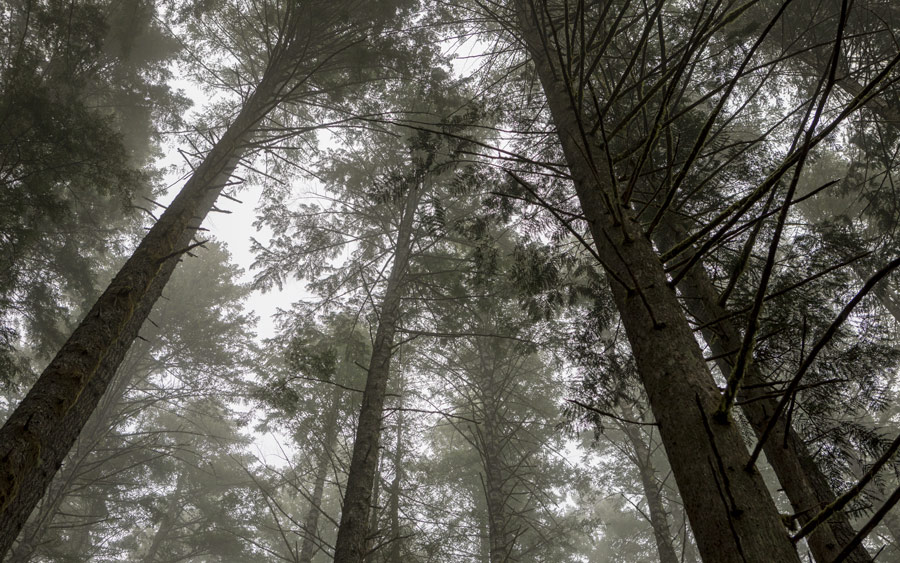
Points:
x=556 y=281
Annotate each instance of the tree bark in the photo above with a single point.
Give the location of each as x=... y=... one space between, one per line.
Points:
x=351 y=540
x=42 y=429
x=733 y=517
x=372 y=535
x=34 y=529
x=802 y=480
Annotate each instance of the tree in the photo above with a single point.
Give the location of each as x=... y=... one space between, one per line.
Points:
x=594 y=119
x=607 y=400
x=661 y=340
x=82 y=99
x=40 y=432
x=376 y=203
x=320 y=361
x=159 y=403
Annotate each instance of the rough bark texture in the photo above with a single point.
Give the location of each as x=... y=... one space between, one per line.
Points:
x=311 y=542
x=733 y=517
x=372 y=537
x=803 y=482
x=97 y=427
x=40 y=432
x=351 y=540
x=659 y=519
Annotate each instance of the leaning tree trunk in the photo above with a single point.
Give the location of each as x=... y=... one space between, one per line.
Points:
x=803 y=482
x=733 y=517
x=40 y=432
x=97 y=427
x=351 y=540
x=659 y=519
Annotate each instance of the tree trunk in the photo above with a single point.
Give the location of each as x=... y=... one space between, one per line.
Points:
x=96 y=428
x=311 y=524
x=803 y=483
x=351 y=540
x=733 y=517
x=40 y=432
x=395 y=552
x=659 y=519
x=500 y=540
x=496 y=479
x=372 y=535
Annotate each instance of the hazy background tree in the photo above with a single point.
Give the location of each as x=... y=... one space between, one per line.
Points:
x=594 y=270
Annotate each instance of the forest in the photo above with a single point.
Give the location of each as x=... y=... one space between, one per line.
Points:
x=474 y=281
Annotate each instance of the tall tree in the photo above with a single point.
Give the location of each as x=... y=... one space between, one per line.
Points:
x=606 y=149
x=709 y=470
x=196 y=345
x=304 y=44
x=320 y=361
x=82 y=98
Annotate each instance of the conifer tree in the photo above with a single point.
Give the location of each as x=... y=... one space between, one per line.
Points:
x=304 y=43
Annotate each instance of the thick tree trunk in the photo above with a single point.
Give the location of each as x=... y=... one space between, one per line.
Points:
x=351 y=540
x=36 y=527
x=803 y=483
x=40 y=432
x=311 y=542
x=733 y=517
x=659 y=519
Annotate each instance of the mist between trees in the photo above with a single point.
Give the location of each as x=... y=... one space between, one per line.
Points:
x=582 y=281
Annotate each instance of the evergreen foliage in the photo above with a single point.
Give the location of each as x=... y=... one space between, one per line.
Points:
x=557 y=281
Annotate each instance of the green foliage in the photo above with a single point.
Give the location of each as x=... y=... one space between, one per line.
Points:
x=81 y=98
